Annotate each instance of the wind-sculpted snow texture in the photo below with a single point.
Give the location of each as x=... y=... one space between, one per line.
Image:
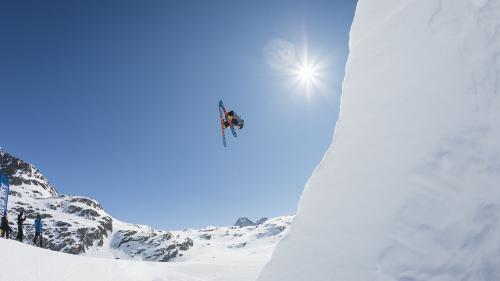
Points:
x=410 y=188
x=80 y=225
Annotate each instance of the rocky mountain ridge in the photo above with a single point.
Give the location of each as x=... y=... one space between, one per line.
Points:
x=80 y=225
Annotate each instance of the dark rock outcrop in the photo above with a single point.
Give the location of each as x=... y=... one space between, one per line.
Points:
x=243 y=222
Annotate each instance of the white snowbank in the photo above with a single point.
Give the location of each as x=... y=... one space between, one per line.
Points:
x=410 y=188
x=22 y=262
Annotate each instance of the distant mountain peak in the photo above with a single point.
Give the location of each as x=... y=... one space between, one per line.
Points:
x=261 y=220
x=24 y=174
x=243 y=221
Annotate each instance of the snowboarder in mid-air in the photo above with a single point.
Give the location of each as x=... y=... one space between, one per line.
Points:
x=229 y=120
x=234 y=119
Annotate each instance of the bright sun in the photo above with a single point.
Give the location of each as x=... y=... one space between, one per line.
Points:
x=307 y=73
x=306 y=76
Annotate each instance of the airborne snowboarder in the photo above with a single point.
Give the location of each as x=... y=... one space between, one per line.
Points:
x=234 y=119
x=229 y=120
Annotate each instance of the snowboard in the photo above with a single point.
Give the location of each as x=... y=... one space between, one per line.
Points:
x=233 y=130
x=223 y=112
x=222 y=127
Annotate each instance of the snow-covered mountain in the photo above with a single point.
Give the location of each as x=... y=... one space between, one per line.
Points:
x=410 y=188
x=244 y=221
x=80 y=225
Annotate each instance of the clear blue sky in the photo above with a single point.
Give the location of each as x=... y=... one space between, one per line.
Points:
x=117 y=100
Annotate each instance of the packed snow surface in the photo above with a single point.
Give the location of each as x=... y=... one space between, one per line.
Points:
x=27 y=263
x=79 y=225
x=410 y=188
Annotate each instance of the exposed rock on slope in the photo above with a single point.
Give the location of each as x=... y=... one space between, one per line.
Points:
x=71 y=223
x=80 y=225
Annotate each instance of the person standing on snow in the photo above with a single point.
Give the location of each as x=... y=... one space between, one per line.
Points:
x=6 y=229
x=38 y=230
x=20 y=220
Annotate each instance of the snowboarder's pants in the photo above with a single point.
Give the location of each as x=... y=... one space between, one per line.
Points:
x=5 y=233
x=20 y=234
x=39 y=237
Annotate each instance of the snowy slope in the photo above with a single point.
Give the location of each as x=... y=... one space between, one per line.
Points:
x=80 y=225
x=229 y=243
x=410 y=188
x=27 y=263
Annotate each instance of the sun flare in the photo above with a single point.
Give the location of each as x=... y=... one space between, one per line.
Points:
x=307 y=76
x=307 y=73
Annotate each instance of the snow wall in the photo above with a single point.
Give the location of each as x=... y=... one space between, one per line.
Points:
x=410 y=188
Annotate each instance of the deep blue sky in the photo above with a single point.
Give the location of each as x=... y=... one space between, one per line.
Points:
x=117 y=100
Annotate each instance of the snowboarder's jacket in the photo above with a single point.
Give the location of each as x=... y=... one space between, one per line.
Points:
x=38 y=225
x=235 y=120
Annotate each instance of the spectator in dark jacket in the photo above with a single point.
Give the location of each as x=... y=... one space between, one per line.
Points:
x=6 y=229
x=20 y=220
